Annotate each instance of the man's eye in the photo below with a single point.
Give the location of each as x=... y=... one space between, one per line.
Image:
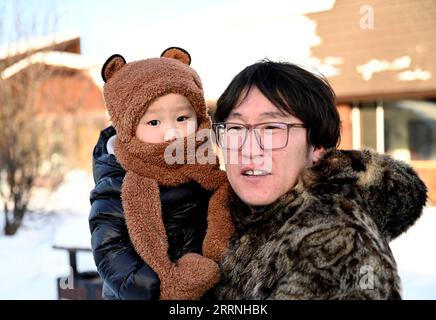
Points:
x=233 y=128
x=153 y=123
x=272 y=127
x=182 y=118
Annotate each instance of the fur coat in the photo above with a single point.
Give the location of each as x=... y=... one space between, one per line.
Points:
x=328 y=237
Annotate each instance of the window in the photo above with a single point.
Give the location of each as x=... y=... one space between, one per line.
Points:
x=368 y=132
x=410 y=129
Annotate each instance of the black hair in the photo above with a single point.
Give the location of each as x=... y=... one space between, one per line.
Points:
x=293 y=90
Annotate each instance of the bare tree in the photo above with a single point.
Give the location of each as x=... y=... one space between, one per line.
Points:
x=19 y=145
x=21 y=124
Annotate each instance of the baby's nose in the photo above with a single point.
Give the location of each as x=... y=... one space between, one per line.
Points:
x=172 y=134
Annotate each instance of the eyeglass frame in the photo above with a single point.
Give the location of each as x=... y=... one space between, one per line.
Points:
x=251 y=127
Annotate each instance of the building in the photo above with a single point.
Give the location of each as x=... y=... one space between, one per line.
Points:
x=67 y=97
x=380 y=58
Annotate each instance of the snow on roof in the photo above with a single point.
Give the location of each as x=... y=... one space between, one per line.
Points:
x=394 y=59
x=53 y=58
x=377 y=65
x=36 y=43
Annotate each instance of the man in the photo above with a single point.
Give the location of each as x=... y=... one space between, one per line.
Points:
x=306 y=232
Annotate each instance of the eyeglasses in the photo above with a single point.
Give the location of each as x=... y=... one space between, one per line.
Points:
x=269 y=135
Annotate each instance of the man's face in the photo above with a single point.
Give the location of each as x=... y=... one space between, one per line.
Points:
x=259 y=177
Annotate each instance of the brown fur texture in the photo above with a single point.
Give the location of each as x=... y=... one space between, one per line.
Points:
x=128 y=91
x=328 y=237
x=177 y=53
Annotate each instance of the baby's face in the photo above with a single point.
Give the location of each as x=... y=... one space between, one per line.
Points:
x=169 y=117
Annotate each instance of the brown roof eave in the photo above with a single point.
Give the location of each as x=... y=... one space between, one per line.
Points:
x=349 y=98
x=71 y=45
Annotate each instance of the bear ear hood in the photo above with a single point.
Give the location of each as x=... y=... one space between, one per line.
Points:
x=177 y=53
x=116 y=61
x=111 y=66
x=131 y=87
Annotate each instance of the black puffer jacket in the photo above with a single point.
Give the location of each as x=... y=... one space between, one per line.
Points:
x=125 y=274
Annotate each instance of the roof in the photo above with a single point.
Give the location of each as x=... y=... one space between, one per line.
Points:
x=53 y=58
x=393 y=57
x=62 y=50
x=56 y=59
x=37 y=44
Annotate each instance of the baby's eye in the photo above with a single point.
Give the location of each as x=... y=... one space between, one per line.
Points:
x=153 y=123
x=182 y=118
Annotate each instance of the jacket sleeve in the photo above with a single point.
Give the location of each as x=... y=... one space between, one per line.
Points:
x=121 y=268
x=339 y=263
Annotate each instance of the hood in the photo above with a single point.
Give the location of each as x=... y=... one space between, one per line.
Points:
x=131 y=87
x=390 y=190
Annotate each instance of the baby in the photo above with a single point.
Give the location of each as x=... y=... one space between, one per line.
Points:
x=176 y=213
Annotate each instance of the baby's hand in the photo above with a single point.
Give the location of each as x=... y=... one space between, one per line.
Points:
x=196 y=275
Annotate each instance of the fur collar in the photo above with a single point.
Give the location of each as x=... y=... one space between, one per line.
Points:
x=390 y=190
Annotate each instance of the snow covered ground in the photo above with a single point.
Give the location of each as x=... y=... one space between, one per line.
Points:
x=29 y=265
x=416 y=257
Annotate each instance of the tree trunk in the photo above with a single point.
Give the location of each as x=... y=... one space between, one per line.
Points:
x=11 y=228
x=12 y=225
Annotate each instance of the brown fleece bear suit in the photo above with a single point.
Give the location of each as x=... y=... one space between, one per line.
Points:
x=129 y=89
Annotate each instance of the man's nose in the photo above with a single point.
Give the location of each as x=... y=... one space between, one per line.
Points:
x=251 y=147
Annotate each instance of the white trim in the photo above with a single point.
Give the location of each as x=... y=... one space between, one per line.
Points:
x=380 y=127
x=54 y=58
x=355 y=124
x=110 y=145
x=36 y=44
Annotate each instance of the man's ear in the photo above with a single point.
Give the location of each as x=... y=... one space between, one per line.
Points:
x=317 y=154
x=111 y=66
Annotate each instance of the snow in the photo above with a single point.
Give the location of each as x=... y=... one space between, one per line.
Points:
x=375 y=65
x=413 y=75
x=416 y=258
x=36 y=43
x=30 y=266
x=29 y=263
x=53 y=58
